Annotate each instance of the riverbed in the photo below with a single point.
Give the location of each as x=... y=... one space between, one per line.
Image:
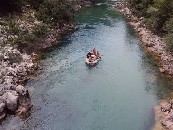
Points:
x=119 y=93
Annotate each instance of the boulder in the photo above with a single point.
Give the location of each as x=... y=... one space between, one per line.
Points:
x=165 y=106
x=161 y=70
x=24 y=104
x=2 y=105
x=8 y=80
x=150 y=44
x=22 y=110
x=2 y=115
x=171 y=127
x=9 y=87
x=21 y=90
x=171 y=116
x=2 y=91
x=142 y=32
x=166 y=123
x=171 y=102
x=2 y=108
x=11 y=98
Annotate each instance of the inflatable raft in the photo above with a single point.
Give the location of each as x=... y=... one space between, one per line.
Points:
x=93 y=62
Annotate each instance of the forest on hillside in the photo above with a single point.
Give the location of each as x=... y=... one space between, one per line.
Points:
x=26 y=23
x=45 y=9
x=158 y=16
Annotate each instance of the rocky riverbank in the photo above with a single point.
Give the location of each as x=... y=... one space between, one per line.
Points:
x=16 y=62
x=15 y=68
x=164 y=115
x=53 y=37
x=151 y=42
x=157 y=48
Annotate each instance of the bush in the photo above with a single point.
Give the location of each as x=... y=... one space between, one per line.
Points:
x=169 y=42
x=151 y=23
x=152 y=11
x=13 y=27
x=158 y=14
x=168 y=27
x=26 y=41
x=14 y=58
x=41 y=30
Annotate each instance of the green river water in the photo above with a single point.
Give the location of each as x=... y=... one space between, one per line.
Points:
x=119 y=93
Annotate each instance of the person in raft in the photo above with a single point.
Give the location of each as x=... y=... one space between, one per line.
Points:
x=94 y=51
x=89 y=55
x=98 y=55
x=93 y=55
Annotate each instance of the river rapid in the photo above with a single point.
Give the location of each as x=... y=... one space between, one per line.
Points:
x=119 y=93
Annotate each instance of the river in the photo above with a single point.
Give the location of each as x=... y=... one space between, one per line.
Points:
x=119 y=93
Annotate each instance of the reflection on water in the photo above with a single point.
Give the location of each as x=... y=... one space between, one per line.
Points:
x=117 y=94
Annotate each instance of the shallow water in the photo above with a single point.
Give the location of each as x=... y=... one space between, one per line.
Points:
x=119 y=93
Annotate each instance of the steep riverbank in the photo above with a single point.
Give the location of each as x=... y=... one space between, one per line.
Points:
x=17 y=65
x=151 y=42
x=15 y=69
x=155 y=46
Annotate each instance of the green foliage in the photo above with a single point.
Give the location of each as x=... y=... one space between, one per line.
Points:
x=26 y=41
x=41 y=30
x=140 y=6
x=168 y=26
x=13 y=27
x=56 y=11
x=51 y=12
x=151 y=23
x=14 y=58
x=29 y=41
x=169 y=41
x=158 y=16
x=152 y=11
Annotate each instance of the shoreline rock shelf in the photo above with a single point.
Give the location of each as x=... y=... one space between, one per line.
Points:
x=15 y=68
x=152 y=43
x=164 y=115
